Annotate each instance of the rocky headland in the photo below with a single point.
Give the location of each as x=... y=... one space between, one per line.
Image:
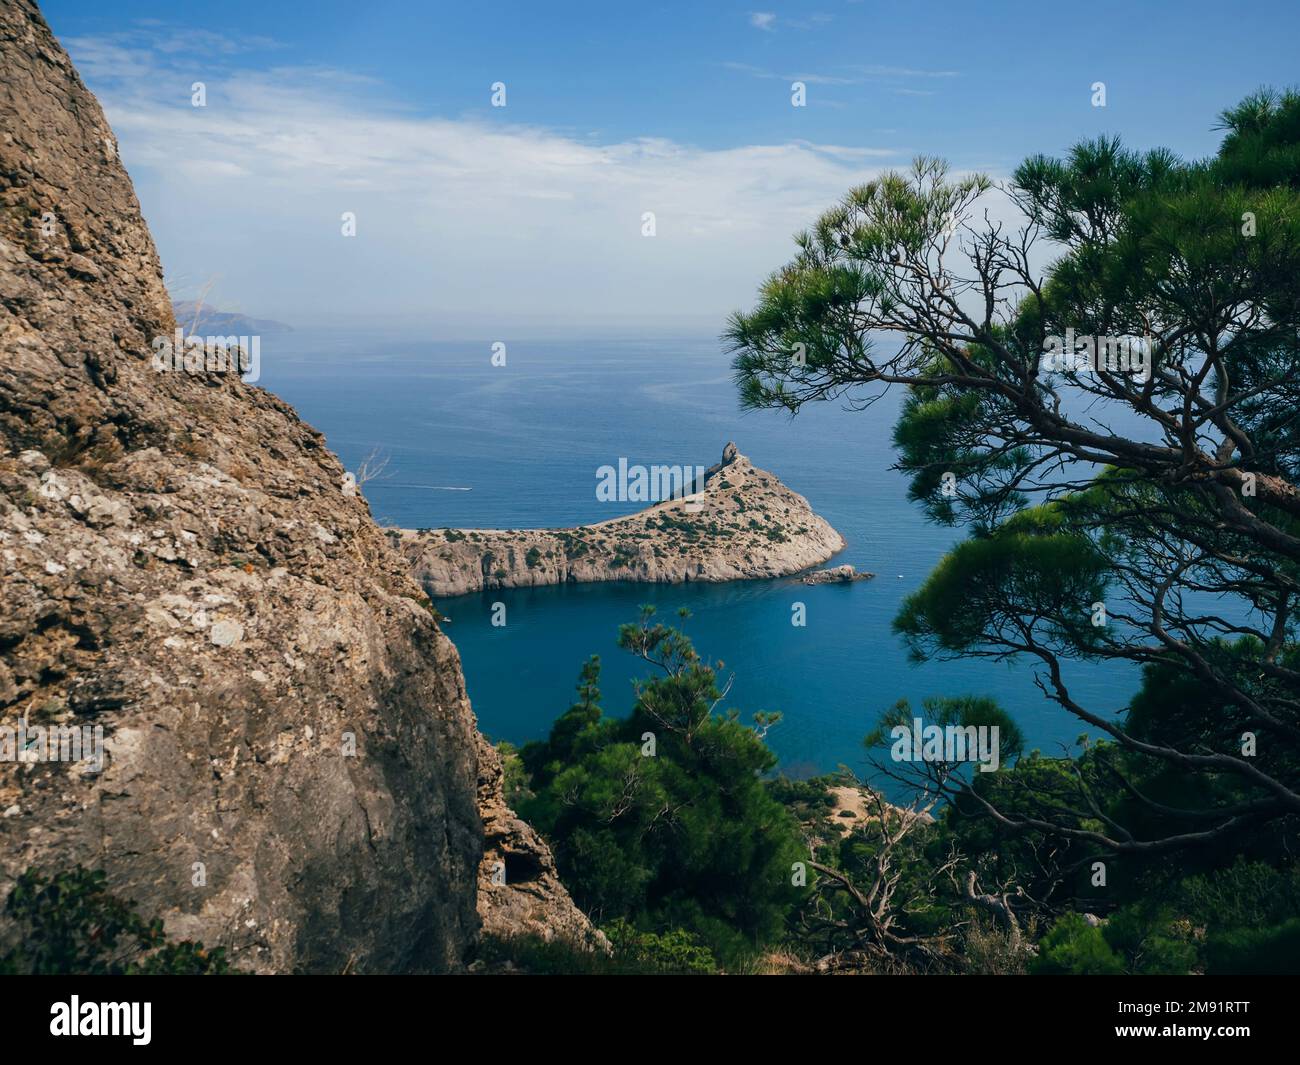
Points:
x=198 y=318
x=744 y=523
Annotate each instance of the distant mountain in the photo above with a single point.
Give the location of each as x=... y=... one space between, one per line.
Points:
x=200 y=318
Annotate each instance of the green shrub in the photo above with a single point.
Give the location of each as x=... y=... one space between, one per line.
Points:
x=70 y=925
x=1153 y=940
x=674 y=951
x=1074 y=947
x=1255 y=951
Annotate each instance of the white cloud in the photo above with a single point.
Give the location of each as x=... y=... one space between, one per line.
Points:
x=762 y=20
x=472 y=218
x=907 y=72
x=810 y=79
x=857 y=75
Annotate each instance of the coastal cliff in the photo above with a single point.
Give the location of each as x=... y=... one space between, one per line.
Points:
x=291 y=768
x=743 y=524
x=519 y=889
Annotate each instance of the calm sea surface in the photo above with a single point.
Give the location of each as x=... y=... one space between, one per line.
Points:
x=470 y=444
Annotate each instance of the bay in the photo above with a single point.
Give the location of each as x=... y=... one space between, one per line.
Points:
x=469 y=444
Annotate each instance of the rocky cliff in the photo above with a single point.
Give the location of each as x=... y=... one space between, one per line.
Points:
x=290 y=761
x=744 y=524
x=519 y=889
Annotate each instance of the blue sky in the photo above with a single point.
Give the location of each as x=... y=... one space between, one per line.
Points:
x=471 y=215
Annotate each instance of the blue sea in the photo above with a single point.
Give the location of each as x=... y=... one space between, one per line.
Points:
x=469 y=444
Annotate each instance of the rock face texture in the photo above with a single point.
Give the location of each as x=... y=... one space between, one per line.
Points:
x=519 y=890
x=290 y=760
x=744 y=524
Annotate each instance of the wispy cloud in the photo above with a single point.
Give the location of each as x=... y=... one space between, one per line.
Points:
x=809 y=79
x=812 y=22
x=857 y=75
x=110 y=54
x=474 y=215
x=767 y=21
x=907 y=72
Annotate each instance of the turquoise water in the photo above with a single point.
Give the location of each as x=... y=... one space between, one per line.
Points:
x=469 y=444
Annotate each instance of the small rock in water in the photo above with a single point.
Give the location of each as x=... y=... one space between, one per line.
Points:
x=835 y=575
